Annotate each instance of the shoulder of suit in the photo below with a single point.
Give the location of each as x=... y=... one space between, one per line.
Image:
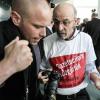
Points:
x=50 y=38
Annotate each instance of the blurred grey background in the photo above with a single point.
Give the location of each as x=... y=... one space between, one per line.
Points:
x=4 y=9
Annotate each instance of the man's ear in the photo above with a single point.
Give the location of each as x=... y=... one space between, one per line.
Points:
x=75 y=21
x=16 y=18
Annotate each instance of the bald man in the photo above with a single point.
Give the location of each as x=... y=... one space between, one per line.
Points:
x=28 y=21
x=70 y=53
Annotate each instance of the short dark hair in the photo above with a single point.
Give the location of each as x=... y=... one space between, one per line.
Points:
x=94 y=15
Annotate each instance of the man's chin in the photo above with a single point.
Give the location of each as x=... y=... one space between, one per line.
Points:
x=34 y=43
x=62 y=37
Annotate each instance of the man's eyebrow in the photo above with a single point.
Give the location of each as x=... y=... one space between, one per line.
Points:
x=55 y=19
x=38 y=26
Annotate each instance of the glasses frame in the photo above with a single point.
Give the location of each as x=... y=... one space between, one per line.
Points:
x=65 y=22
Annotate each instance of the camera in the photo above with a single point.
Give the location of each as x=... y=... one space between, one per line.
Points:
x=51 y=86
x=47 y=72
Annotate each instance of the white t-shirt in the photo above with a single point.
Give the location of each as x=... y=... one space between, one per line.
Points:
x=69 y=58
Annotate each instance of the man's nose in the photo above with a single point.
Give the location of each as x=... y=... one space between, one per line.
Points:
x=43 y=32
x=60 y=26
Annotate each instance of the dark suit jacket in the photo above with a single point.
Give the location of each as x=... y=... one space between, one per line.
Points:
x=14 y=87
x=93 y=28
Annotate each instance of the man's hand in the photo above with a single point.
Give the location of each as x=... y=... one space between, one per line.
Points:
x=96 y=79
x=18 y=54
x=97 y=83
x=43 y=78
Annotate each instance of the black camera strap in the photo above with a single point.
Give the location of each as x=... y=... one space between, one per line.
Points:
x=26 y=72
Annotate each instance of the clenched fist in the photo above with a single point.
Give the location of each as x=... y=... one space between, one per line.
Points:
x=18 y=57
x=18 y=54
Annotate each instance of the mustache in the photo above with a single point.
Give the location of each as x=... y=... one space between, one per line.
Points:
x=60 y=32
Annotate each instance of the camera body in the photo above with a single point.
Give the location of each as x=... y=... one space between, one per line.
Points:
x=51 y=86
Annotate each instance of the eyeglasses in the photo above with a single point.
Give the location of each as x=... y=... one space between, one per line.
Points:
x=64 y=22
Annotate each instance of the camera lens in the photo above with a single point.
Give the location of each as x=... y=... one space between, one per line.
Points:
x=47 y=72
x=51 y=86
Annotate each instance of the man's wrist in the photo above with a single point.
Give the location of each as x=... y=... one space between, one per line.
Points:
x=8 y=66
x=94 y=77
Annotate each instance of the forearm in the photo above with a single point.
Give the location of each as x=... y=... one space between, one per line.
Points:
x=18 y=57
x=96 y=79
x=6 y=70
x=93 y=74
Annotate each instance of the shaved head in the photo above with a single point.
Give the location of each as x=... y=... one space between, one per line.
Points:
x=64 y=7
x=24 y=7
x=64 y=16
x=31 y=17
